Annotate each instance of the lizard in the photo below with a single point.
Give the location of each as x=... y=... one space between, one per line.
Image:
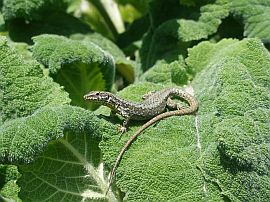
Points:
x=152 y=108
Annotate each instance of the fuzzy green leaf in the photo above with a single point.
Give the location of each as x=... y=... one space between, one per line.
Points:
x=23 y=87
x=239 y=98
x=8 y=178
x=78 y=66
x=69 y=170
x=219 y=154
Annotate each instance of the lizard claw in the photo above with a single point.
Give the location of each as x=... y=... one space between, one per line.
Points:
x=122 y=129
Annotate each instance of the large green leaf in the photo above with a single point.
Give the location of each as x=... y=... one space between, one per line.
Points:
x=23 y=87
x=219 y=154
x=77 y=65
x=64 y=145
x=69 y=170
x=43 y=126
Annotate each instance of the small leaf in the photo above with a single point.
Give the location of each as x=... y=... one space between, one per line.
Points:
x=172 y=37
x=123 y=65
x=255 y=15
x=9 y=190
x=176 y=72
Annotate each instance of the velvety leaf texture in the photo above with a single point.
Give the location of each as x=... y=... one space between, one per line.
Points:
x=54 y=148
x=78 y=66
x=43 y=126
x=238 y=96
x=219 y=154
x=171 y=32
x=23 y=87
x=9 y=190
x=176 y=72
x=69 y=170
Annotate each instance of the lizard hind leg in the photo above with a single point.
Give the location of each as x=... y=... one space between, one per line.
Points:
x=113 y=113
x=173 y=105
x=123 y=127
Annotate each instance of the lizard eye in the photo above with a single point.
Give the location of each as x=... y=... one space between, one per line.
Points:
x=97 y=93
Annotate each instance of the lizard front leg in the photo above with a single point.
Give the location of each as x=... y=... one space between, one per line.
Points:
x=123 y=128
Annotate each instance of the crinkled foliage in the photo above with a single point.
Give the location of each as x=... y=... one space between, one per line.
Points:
x=49 y=131
x=9 y=175
x=199 y=23
x=176 y=72
x=65 y=140
x=52 y=151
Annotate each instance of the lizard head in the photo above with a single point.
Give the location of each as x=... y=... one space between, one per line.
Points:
x=97 y=96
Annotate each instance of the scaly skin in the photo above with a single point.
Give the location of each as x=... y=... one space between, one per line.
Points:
x=153 y=106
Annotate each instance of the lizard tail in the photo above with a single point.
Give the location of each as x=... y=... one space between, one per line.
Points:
x=193 y=106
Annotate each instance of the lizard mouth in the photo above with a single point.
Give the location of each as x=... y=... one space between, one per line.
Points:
x=90 y=97
x=87 y=97
x=93 y=95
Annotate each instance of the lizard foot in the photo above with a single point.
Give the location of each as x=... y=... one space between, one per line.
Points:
x=122 y=129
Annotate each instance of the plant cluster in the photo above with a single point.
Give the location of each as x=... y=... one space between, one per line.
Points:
x=55 y=146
